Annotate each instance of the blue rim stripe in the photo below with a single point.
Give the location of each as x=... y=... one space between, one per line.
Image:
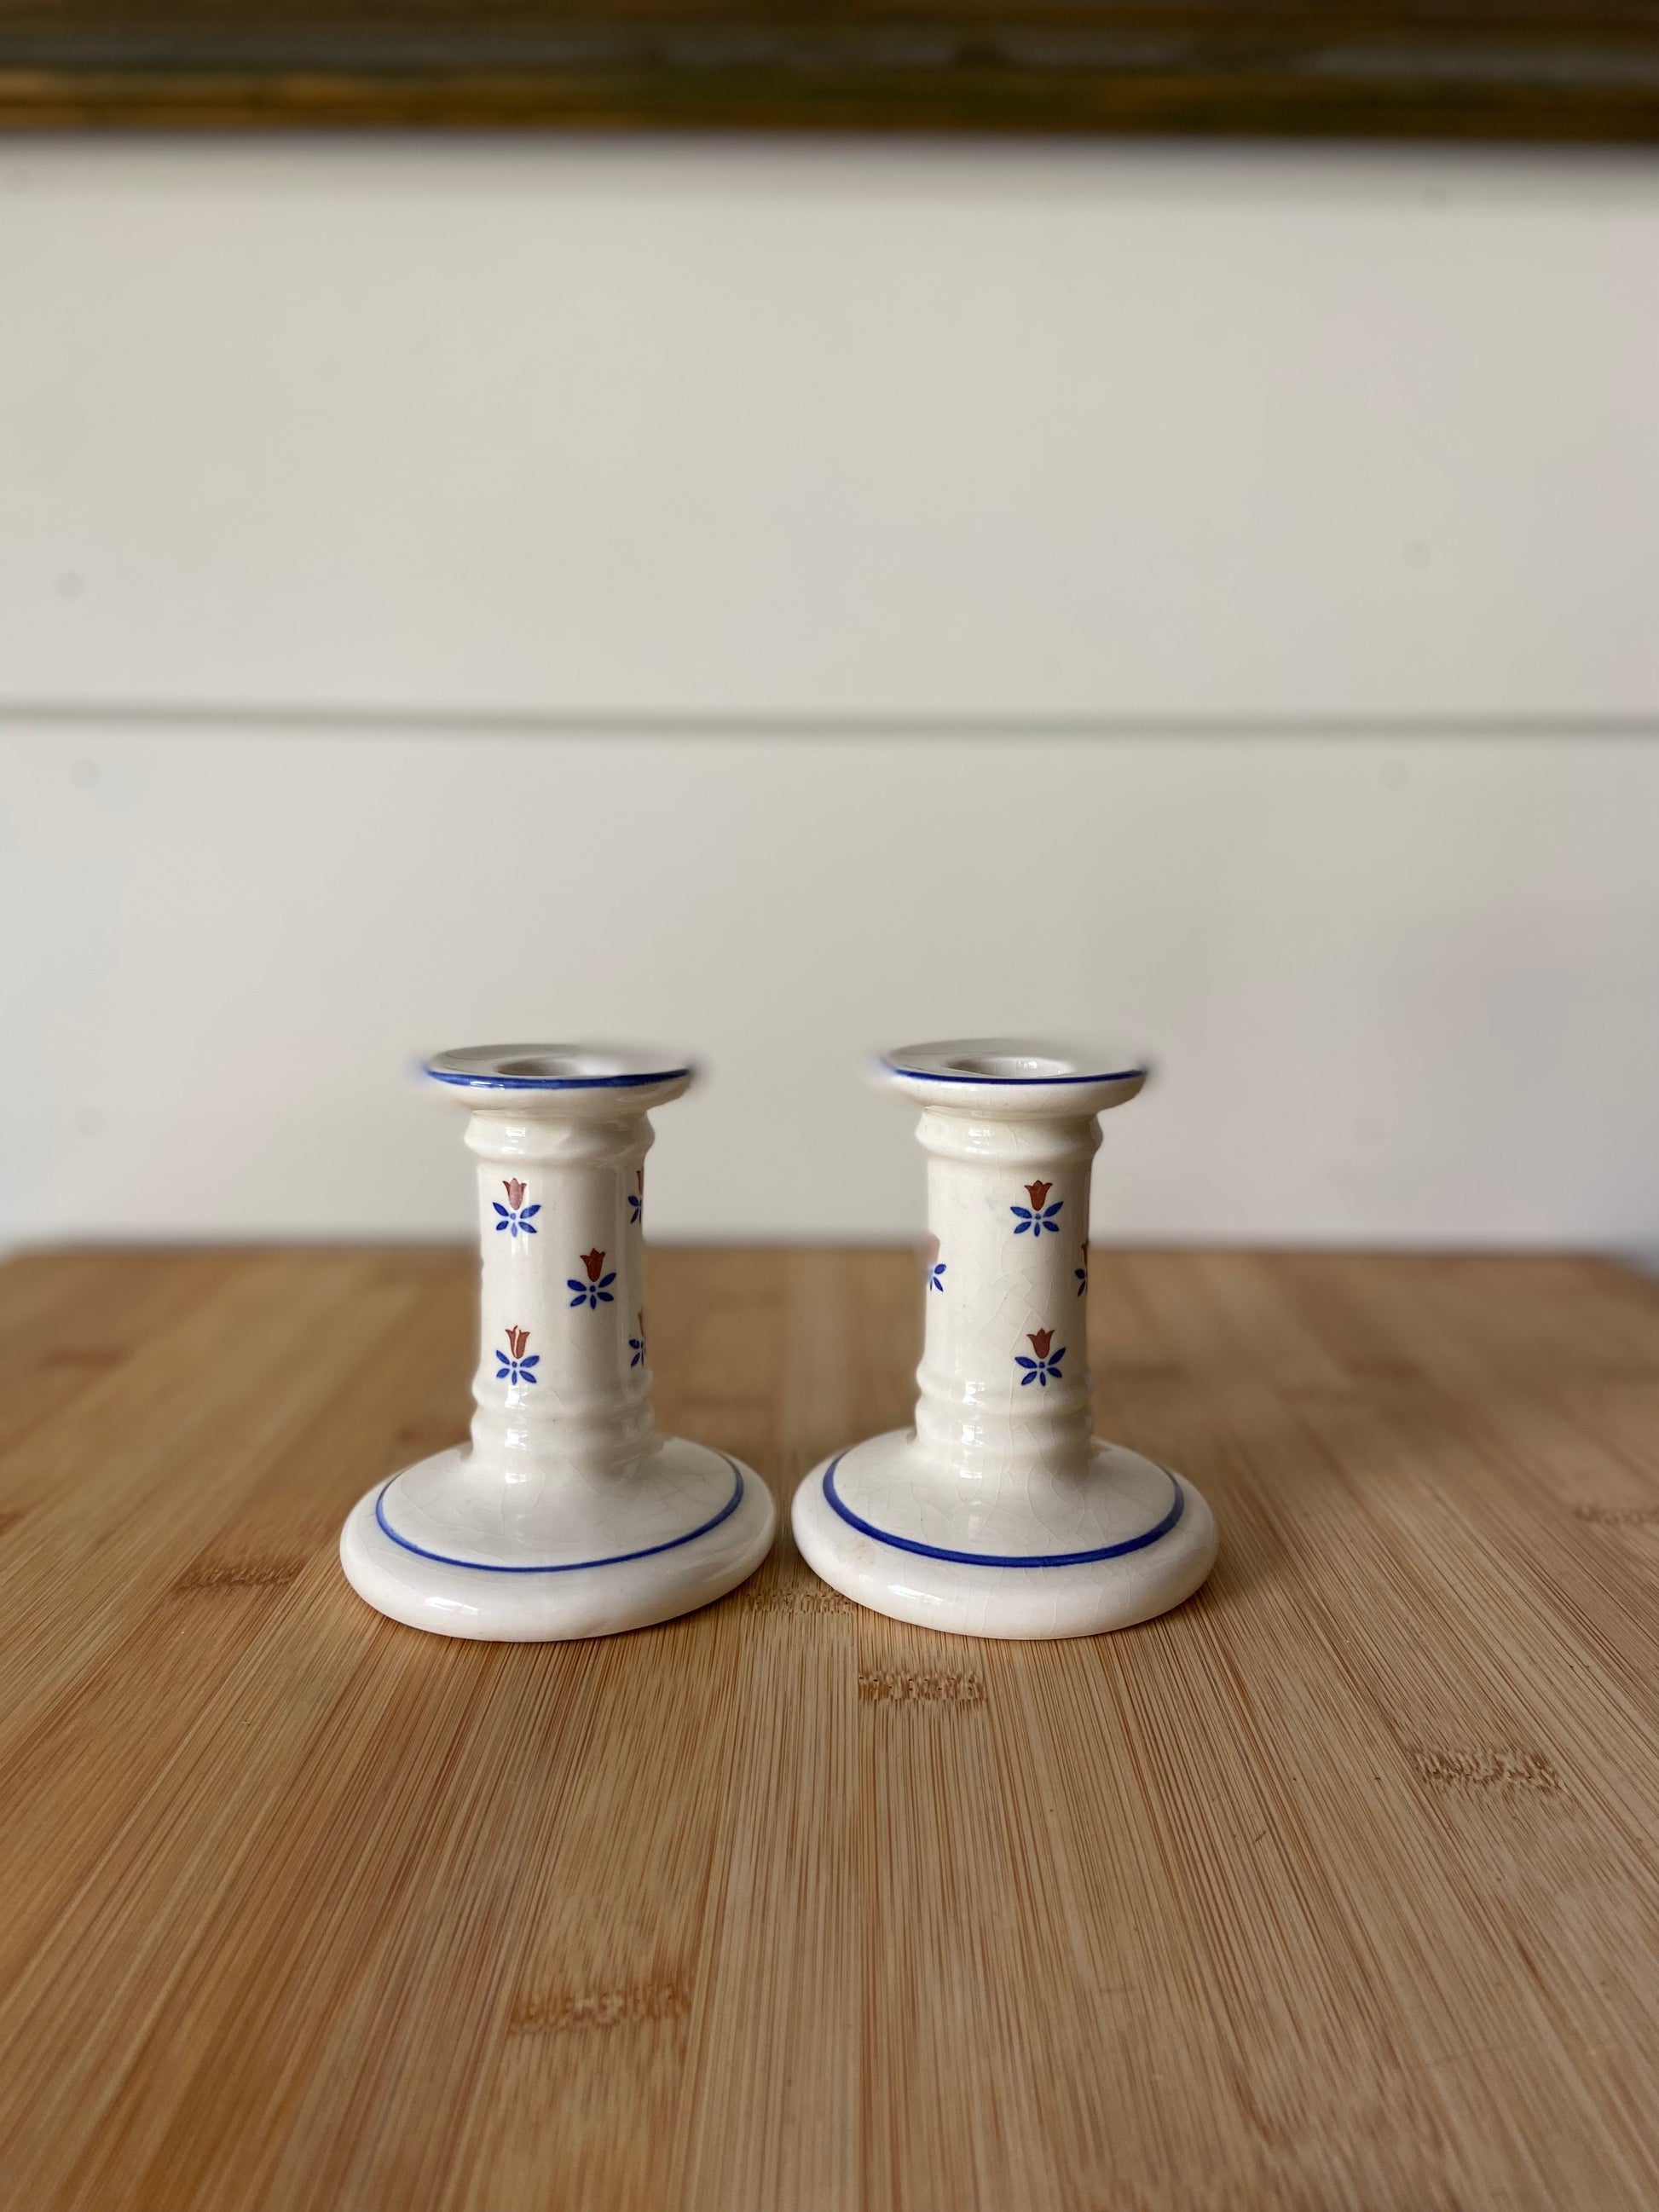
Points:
x=932 y=1075
x=1001 y=1558
x=566 y=1566
x=552 y=1082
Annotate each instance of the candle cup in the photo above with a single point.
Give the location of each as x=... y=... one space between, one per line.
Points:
x=1000 y=1513
x=566 y=1514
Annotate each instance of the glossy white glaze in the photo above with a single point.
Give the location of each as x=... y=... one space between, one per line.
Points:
x=566 y=1514
x=1000 y=1514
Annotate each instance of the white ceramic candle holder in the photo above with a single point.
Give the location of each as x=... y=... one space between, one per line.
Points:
x=1000 y=1513
x=567 y=1514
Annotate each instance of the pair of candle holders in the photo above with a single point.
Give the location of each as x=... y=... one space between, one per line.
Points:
x=999 y=1514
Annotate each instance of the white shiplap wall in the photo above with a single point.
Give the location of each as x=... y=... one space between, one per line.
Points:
x=789 y=597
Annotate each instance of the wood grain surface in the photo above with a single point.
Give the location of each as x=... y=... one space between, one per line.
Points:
x=1337 y=1887
x=1507 y=69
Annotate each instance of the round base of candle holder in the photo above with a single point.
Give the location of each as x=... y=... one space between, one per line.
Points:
x=437 y=1550
x=1125 y=1541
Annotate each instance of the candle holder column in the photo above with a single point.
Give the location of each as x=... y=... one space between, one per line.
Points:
x=566 y=1514
x=1000 y=1513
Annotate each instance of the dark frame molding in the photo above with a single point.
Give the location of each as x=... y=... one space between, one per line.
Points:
x=1558 y=71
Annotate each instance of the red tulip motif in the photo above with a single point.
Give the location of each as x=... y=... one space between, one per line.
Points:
x=595 y=1292
x=1045 y=1367
x=515 y=1365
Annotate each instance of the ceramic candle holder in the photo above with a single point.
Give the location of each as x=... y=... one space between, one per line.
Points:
x=1000 y=1513
x=567 y=1514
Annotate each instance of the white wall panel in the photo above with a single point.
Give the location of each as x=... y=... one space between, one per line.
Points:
x=363 y=504
x=558 y=426
x=1399 y=991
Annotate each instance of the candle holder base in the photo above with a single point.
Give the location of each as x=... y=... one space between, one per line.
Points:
x=432 y=1550
x=1125 y=1541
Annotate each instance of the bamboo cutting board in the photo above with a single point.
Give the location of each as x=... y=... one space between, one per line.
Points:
x=1337 y=1887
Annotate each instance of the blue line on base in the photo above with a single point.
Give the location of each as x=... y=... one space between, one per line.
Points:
x=468 y=1080
x=566 y=1566
x=1000 y=1559
x=937 y=1075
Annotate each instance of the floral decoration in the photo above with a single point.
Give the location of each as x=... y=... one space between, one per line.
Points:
x=595 y=1291
x=517 y=1219
x=516 y=1365
x=1045 y=1367
x=1038 y=1215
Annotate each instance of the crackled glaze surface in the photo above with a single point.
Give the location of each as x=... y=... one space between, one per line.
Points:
x=566 y=1514
x=1000 y=1514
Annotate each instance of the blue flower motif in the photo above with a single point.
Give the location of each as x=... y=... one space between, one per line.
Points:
x=1045 y=1367
x=1036 y=1216
x=635 y=1207
x=596 y=1291
x=515 y=1217
x=936 y=1276
x=515 y=1365
x=637 y=1346
x=517 y=1223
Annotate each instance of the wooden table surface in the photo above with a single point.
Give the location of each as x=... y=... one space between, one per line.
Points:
x=1337 y=1887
